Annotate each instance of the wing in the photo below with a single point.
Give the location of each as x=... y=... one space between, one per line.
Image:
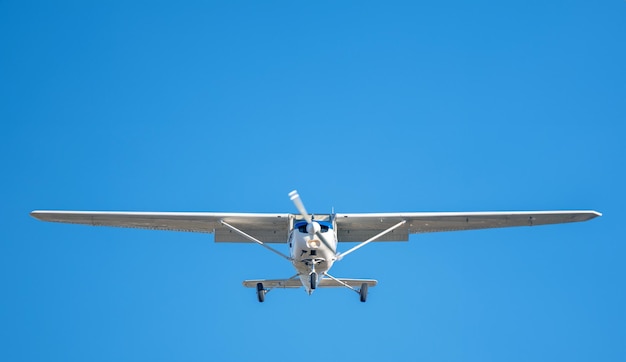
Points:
x=271 y=228
x=360 y=227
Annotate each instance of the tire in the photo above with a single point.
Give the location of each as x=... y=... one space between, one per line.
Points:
x=313 y=280
x=260 y=292
x=363 y=292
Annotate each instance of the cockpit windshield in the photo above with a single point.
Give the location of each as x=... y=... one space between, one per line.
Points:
x=324 y=226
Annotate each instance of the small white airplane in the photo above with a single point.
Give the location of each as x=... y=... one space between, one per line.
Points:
x=313 y=239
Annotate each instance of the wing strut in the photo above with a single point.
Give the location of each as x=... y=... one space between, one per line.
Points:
x=254 y=239
x=341 y=255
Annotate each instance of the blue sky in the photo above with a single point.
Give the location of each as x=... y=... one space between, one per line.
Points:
x=361 y=106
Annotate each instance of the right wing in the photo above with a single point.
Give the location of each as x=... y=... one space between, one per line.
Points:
x=271 y=228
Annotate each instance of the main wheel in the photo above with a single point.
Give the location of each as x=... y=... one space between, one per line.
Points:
x=363 y=292
x=260 y=292
x=313 y=277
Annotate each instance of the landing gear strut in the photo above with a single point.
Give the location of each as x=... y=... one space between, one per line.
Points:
x=260 y=292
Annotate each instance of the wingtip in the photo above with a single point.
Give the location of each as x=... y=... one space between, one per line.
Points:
x=37 y=215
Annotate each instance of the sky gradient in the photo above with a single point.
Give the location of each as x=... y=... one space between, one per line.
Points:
x=361 y=106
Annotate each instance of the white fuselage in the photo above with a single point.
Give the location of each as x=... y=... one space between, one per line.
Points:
x=309 y=254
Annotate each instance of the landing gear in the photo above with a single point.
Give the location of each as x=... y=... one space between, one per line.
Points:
x=260 y=292
x=313 y=280
x=363 y=292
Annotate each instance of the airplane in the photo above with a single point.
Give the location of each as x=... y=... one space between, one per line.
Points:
x=313 y=238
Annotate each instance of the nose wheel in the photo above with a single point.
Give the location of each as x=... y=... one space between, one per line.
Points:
x=313 y=274
x=313 y=280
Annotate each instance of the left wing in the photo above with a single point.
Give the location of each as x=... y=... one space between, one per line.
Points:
x=360 y=227
x=270 y=228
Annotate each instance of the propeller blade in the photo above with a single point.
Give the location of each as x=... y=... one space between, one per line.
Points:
x=293 y=195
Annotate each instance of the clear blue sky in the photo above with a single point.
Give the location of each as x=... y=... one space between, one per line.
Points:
x=363 y=106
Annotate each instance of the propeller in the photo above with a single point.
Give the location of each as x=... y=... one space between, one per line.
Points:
x=311 y=226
